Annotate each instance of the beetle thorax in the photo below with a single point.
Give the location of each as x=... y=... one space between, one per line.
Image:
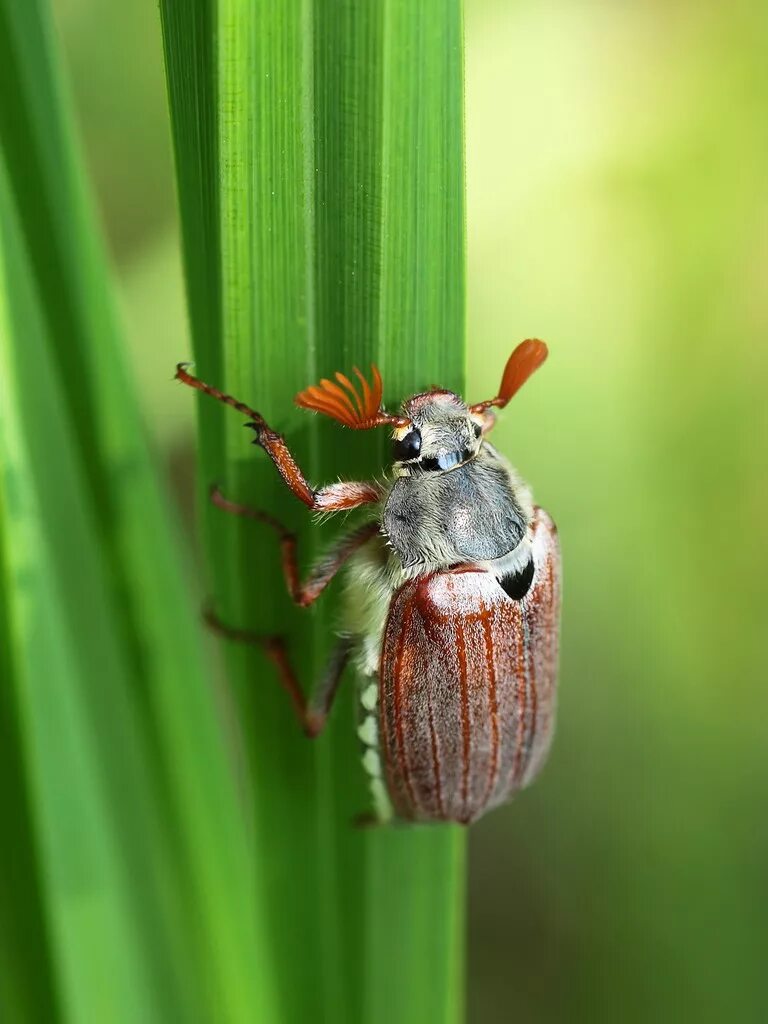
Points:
x=476 y=511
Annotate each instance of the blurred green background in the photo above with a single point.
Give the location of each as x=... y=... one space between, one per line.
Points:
x=617 y=159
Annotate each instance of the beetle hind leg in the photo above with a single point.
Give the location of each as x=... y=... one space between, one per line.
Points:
x=311 y=713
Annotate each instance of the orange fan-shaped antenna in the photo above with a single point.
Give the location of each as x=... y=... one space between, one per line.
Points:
x=527 y=358
x=345 y=404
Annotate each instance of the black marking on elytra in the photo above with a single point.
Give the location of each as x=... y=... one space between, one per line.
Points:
x=517 y=584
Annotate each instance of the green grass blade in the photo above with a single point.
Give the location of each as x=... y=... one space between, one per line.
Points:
x=414 y=307
x=329 y=195
x=62 y=639
x=26 y=970
x=144 y=864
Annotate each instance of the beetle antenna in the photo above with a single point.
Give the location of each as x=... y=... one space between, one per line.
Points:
x=525 y=360
x=346 y=404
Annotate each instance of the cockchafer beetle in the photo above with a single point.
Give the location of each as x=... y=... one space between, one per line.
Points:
x=452 y=605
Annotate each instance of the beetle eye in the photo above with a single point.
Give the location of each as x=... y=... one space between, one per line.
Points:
x=408 y=447
x=478 y=430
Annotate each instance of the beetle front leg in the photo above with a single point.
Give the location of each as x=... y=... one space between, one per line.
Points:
x=334 y=498
x=311 y=714
x=306 y=592
x=339 y=497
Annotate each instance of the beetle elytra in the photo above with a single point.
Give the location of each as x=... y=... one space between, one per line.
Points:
x=451 y=610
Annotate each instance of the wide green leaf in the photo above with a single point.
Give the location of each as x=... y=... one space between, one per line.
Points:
x=138 y=882
x=319 y=155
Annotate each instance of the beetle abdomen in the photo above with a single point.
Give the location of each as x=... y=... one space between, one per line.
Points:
x=467 y=687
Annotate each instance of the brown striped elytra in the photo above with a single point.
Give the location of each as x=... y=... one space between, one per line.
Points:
x=488 y=701
x=451 y=604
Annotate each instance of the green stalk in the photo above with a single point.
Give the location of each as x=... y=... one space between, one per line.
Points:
x=135 y=901
x=319 y=154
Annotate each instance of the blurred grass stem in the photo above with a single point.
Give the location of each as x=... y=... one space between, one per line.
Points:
x=319 y=156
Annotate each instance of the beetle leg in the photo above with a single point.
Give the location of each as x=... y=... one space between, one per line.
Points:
x=334 y=498
x=311 y=714
x=303 y=593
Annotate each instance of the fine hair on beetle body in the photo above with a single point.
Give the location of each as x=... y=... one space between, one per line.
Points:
x=451 y=609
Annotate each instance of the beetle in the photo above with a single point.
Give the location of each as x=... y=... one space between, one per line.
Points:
x=451 y=607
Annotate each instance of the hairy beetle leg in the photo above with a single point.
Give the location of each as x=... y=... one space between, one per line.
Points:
x=333 y=498
x=311 y=714
x=303 y=593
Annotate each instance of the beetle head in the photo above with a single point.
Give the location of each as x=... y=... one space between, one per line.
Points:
x=436 y=431
x=442 y=432
x=439 y=433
